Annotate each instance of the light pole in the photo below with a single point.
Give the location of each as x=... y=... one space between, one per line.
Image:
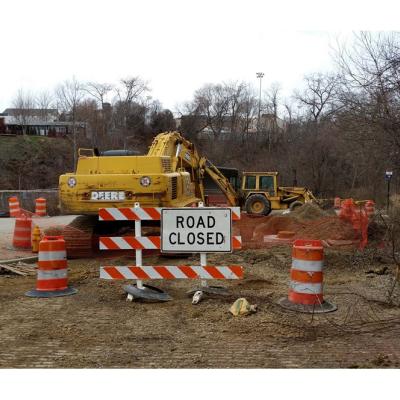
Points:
x=259 y=75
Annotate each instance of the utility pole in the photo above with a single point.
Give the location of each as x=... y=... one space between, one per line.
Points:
x=259 y=75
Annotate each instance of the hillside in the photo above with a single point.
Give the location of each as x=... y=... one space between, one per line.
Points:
x=33 y=162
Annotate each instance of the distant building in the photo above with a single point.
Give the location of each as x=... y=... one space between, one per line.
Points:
x=15 y=115
x=39 y=122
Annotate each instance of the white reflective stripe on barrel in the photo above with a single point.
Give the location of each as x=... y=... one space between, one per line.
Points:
x=52 y=255
x=53 y=274
x=312 y=266
x=306 y=288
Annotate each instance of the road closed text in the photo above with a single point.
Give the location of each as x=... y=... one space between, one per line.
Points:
x=196 y=229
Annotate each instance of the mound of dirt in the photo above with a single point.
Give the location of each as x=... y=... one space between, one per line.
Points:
x=309 y=211
x=83 y=223
x=274 y=225
x=326 y=228
x=245 y=226
x=308 y=226
x=54 y=230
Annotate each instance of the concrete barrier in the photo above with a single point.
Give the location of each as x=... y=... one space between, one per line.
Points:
x=27 y=199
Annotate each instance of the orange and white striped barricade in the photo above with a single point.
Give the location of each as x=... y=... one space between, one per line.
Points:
x=40 y=207
x=139 y=272
x=52 y=274
x=22 y=232
x=306 y=279
x=14 y=207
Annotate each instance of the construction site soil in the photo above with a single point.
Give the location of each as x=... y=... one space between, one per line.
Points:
x=98 y=328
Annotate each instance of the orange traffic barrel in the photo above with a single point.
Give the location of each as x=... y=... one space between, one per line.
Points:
x=40 y=207
x=22 y=232
x=370 y=208
x=13 y=204
x=52 y=274
x=306 y=279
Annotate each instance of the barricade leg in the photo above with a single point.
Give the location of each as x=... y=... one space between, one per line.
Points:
x=139 y=290
x=204 y=287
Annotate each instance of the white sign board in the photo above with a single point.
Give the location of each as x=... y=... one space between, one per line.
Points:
x=196 y=230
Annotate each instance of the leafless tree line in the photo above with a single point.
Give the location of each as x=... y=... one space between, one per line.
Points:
x=336 y=134
x=116 y=114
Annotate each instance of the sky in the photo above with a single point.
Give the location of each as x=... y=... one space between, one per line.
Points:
x=177 y=46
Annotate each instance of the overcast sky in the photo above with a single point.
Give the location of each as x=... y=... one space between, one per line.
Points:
x=175 y=45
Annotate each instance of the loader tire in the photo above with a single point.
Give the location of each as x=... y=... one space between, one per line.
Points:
x=295 y=205
x=258 y=204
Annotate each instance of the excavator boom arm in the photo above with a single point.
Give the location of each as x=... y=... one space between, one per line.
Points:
x=184 y=154
x=222 y=182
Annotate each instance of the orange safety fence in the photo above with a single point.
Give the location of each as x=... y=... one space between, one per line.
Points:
x=359 y=216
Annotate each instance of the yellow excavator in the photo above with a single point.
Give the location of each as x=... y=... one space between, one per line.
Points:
x=170 y=175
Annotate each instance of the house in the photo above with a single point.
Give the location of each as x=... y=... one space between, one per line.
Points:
x=15 y=115
x=39 y=122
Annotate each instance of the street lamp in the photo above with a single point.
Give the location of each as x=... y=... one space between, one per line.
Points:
x=259 y=75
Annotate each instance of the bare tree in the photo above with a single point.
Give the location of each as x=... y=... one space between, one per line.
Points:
x=212 y=101
x=98 y=91
x=130 y=89
x=23 y=103
x=69 y=95
x=44 y=101
x=129 y=114
x=271 y=105
x=318 y=98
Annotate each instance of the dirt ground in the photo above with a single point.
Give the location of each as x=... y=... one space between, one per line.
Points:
x=98 y=328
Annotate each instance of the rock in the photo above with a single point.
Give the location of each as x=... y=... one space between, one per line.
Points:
x=337 y=242
x=242 y=307
x=379 y=271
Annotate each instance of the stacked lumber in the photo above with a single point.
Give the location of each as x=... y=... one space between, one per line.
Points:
x=20 y=268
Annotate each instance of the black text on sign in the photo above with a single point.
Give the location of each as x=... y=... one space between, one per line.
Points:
x=196 y=230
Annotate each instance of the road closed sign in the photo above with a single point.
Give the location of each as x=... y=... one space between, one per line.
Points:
x=187 y=230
